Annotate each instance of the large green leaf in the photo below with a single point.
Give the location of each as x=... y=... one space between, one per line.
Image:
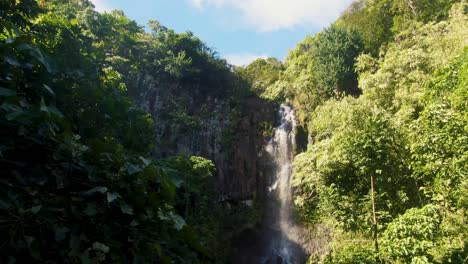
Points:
x=126 y=209
x=176 y=219
x=7 y=92
x=60 y=233
x=112 y=196
x=95 y=190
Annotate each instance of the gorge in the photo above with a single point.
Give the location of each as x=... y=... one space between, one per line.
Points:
x=121 y=143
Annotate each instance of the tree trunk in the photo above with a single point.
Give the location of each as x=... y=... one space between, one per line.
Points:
x=375 y=217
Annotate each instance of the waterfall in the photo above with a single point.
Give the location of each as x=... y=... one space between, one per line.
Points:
x=277 y=239
x=281 y=150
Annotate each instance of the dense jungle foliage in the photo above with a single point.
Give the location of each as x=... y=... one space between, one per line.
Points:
x=78 y=180
x=383 y=95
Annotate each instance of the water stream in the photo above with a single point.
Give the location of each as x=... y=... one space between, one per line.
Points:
x=277 y=238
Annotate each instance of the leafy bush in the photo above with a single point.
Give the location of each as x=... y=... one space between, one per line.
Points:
x=353 y=254
x=410 y=237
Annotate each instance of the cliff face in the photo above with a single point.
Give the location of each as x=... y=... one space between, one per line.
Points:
x=188 y=120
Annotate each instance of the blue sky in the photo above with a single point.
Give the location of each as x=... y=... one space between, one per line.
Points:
x=239 y=30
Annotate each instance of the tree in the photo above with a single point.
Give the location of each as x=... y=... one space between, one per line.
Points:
x=335 y=51
x=156 y=27
x=262 y=75
x=406 y=12
x=373 y=20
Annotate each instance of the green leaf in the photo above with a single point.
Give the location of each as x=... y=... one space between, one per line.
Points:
x=7 y=92
x=50 y=109
x=84 y=257
x=126 y=209
x=133 y=169
x=4 y=205
x=74 y=22
x=36 y=53
x=44 y=106
x=54 y=110
x=14 y=115
x=75 y=242
x=177 y=181
x=12 y=61
x=145 y=161
x=100 y=247
x=29 y=240
x=61 y=233
x=96 y=190
x=91 y=209
x=112 y=196
x=178 y=221
x=171 y=177
x=134 y=223
x=36 y=209
x=48 y=89
x=34 y=251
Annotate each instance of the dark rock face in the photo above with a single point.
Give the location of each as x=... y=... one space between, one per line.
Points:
x=228 y=132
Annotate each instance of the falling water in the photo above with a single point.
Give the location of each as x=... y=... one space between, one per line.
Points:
x=280 y=148
x=277 y=240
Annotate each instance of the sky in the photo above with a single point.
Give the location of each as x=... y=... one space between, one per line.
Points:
x=238 y=30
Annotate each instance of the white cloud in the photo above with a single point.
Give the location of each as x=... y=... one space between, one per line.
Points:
x=271 y=15
x=101 y=5
x=202 y=3
x=242 y=59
